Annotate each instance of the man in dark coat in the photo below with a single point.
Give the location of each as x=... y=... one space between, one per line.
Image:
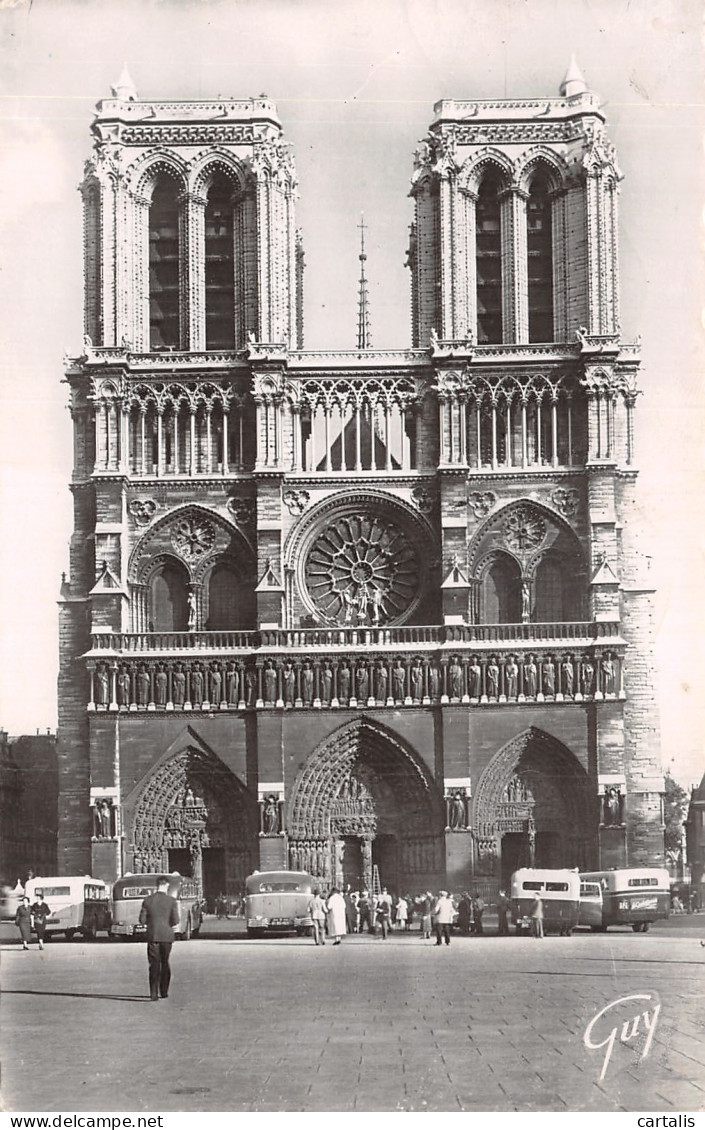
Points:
x=160 y=914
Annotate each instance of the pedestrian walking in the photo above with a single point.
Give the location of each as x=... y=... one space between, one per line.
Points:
x=425 y=903
x=317 y=911
x=503 y=905
x=443 y=913
x=364 y=914
x=384 y=911
x=402 y=913
x=464 y=913
x=536 y=916
x=478 y=909
x=350 y=911
x=336 y=916
x=23 y=921
x=160 y=914
x=40 y=913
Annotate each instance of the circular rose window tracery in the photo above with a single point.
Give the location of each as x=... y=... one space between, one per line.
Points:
x=524 y=529
x=362 y=569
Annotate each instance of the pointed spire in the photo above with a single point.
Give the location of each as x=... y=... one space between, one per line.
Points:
x=573 y=83
x=124 y=88
x=364 y=340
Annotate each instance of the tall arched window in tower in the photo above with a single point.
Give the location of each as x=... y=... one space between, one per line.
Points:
x=168 y=599
x=489 y=261
x=501 y=592
x=164 y=332
x=230 y=603
x=220 y=282
x=539 y=238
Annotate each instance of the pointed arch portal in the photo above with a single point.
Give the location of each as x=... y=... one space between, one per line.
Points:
x=364 y=800
x=533 y=807
x=194 y=816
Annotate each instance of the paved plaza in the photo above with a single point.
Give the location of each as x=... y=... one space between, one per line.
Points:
x=486 y=1024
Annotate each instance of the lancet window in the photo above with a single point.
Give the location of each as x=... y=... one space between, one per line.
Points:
x=164 y=274
x=540 y=260
x=488 y=256
x=219 y=274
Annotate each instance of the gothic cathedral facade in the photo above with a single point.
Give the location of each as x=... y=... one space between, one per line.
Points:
x=344 y=610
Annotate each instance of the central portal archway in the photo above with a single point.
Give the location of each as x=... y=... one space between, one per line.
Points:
x=363 y=800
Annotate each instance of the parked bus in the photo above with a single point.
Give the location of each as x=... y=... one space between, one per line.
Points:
x=560 y=894
x=590 y=913
x=278 y=900
x=632 y=896
x=78 y=904
x=130 y=891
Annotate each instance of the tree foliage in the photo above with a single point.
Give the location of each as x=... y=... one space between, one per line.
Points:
x=675 y=809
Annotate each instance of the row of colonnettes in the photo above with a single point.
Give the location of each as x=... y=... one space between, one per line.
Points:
x=353 y=682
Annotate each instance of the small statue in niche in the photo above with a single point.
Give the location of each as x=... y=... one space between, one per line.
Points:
x=233 y=686
x=511 y=675
x=458 y=819
x=455 y=673
x=103 y=819
x=493 y=678
x=192 y=611
x=608 y=670
x=417 y=682
x=216 y=683
x=102 y=685
x=251 y=683
x=475 y=679
x=327 y=682
x=197 y=685
x=549 y=677
x=398 y=681
x=307 y=681
x=270 y=683
x=434 y=681
x=123 y=687
x=382 y=679
x=613 y=805
x=344 y=681
x=179 y=686
x=363 y=682
x=530 y=676
x=142 y=687
x=568 y=672
x=588 y=676
x=289 y=685
x=525 y=602
x=270 y=815
x=160 y=682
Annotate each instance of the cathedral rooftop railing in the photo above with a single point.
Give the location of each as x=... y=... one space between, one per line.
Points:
x=415 y=637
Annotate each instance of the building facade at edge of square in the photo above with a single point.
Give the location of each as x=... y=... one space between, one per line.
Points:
x=343 y=610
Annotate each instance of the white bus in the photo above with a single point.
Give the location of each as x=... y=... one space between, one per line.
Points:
x=632 y=896
x=79 y=904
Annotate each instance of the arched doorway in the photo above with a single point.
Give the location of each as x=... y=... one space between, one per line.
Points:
x=194 y=816
x=363 y=800
x=534 y=806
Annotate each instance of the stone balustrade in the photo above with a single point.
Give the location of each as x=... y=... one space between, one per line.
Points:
x=357 y=679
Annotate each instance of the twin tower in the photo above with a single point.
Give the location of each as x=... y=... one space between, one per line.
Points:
x=362 y=609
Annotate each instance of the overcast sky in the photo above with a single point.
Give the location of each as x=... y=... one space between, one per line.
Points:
x=355 y=85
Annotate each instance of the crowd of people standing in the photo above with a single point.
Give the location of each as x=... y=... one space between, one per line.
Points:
x=364 y=912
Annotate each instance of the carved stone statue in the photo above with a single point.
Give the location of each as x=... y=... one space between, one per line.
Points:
x=382 y=681
x=588 y=676
x=398 y=681
x=178 y=686
x=233 y=686
x=123 y=687
x=455 y=676
x=197 y=685
x=344 y=682
x=106 y=819
x=525 y=602
x=609 y=675
x=511 y=675
x=475 y=672
x=307 y=681
x=160 y=687
x=289 y=685
x=417 y=682
x=192 y=611
x=142 y=687
x=493 y=678
x=363 y=682
x=251 y=684
x=270 y=815
x=530 y=676
x=434 y=681
x=456 y=811
x=568 y=673
x=613 y=803
x=549 y=677
x=327 y=680
x=216 y=684
x=102 y=686
x=270 y=683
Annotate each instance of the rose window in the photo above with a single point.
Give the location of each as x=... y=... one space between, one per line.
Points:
x=192 y=537
x=524 y=529
x=362 y=569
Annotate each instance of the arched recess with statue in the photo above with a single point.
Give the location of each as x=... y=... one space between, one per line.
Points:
x=365 y=800
x=534 y=805
x=191 y=814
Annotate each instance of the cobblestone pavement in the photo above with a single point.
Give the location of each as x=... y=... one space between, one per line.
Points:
x=372 y=1025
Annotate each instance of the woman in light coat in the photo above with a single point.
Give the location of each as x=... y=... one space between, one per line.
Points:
x=336 y=916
